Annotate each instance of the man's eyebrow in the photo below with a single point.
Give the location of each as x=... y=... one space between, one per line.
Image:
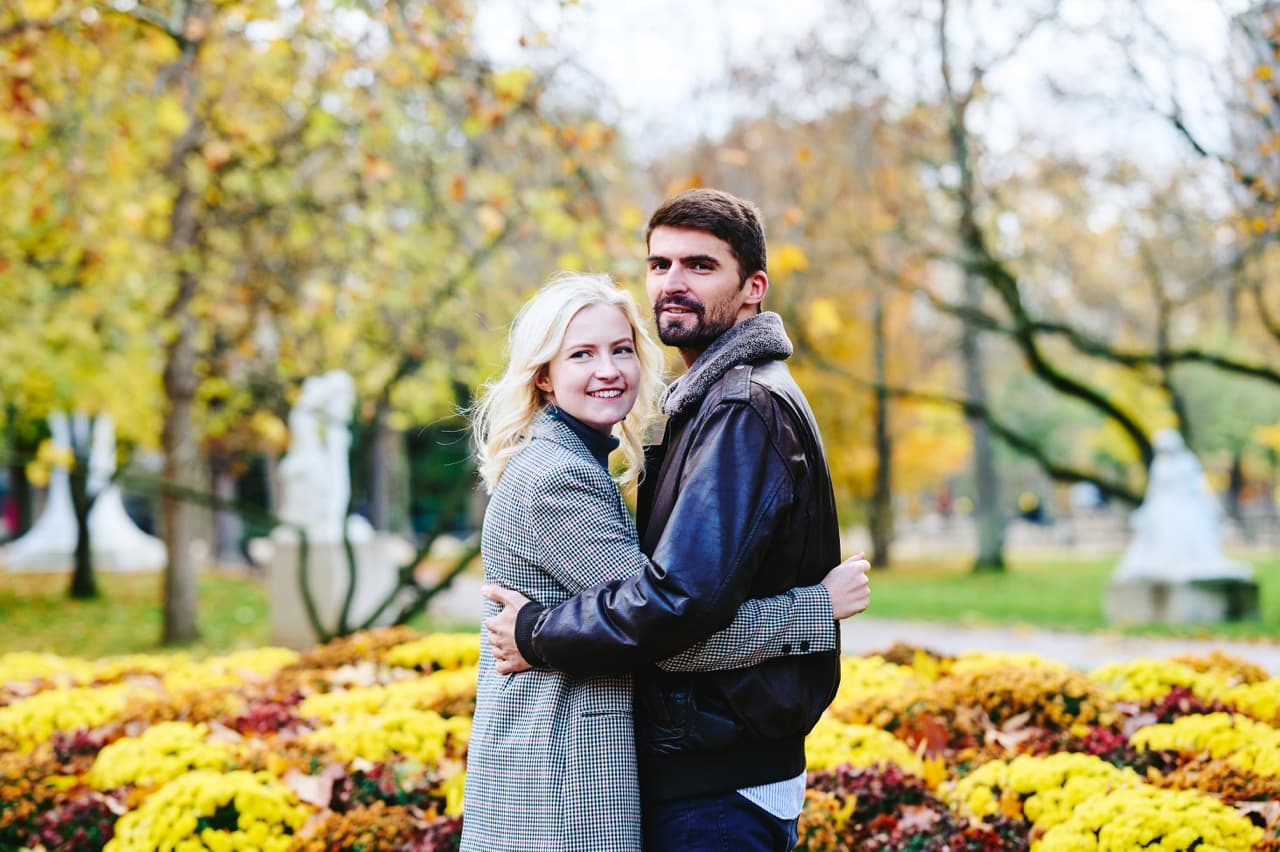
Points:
x=710 y=260
x=700 y=258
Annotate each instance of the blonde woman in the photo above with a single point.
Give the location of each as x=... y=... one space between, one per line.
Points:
x=552 y=760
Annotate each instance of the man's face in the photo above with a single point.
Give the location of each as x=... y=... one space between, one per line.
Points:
x=696 y=289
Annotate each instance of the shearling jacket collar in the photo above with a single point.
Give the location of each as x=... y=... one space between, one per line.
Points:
x=758 y=338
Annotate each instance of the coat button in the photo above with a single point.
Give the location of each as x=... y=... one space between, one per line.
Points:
x=804 y=646
x=786 y=649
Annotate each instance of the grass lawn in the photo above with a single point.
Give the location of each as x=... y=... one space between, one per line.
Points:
x=1058 y=593
x=1061 y=593
x=36 y=615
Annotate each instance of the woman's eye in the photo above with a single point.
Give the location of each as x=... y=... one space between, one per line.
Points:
x=624 y=350
x=579 y=355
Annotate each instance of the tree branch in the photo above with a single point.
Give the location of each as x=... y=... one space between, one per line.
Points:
x=1056 y=470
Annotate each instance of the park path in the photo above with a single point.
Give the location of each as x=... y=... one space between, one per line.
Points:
x=865 y=634
x=1080 y=650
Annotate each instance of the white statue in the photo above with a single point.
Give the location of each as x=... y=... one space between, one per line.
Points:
x=118 y=544
x=315 y=488
x=51 y=540
x=1176 y=530
x=315 y=479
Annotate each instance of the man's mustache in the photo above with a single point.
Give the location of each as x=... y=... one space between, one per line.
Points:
x=687 y=302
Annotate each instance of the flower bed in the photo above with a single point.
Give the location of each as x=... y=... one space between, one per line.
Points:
x=361 y=744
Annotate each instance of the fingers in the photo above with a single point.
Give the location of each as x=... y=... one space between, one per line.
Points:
x=499 y=594
x=499 y=639
x=857 y=562
x=849 y=587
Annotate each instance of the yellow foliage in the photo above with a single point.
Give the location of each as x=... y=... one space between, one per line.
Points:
x=490 y=219
x=787 y=258
x=53 y=455
x=270 y=429
x=631 y=218
x=1268 y=436
x=824 y=318
x=37 y=9
x=1148 y=404
x=170 y=117
x=512 y=85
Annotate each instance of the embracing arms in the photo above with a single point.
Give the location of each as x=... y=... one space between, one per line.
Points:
x=697 y=580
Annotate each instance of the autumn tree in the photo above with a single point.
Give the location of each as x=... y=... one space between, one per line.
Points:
x=308 y=188
x=1093 y=281
x=834 y=190
x=80 y=211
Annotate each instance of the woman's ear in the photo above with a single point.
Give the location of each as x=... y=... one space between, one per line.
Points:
x=542 y=381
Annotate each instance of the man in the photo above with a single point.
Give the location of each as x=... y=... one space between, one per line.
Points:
x=737 y=503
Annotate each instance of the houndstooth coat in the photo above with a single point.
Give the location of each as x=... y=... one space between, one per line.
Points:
x=551 y=762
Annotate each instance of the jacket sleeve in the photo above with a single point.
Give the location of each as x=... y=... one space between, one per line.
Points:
x=735 y=491
x=799 y=621
x=578 y=554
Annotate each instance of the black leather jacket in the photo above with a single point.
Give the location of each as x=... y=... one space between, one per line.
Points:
x=741 y=506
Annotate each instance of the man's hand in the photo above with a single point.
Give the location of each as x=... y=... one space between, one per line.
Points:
x=501 y=629
x=847 y=585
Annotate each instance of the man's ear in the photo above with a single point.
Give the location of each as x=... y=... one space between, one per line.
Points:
x=755 y=288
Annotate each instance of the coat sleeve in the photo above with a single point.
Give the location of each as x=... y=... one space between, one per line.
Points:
x=799 y=621
x=583 y=543
x=735 y=492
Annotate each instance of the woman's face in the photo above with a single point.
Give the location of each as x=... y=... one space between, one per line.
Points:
x=596 y=374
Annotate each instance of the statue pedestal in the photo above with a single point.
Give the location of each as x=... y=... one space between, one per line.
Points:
x=378 y=558
x=1205 y=601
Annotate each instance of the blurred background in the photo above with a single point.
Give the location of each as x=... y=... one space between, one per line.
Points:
x=1011 y=241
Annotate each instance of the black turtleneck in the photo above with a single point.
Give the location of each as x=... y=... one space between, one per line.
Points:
x=597 y=442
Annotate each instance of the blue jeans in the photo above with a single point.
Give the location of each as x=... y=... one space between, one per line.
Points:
x=724 y=822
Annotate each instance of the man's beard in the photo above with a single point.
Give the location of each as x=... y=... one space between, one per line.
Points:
x=707 y=325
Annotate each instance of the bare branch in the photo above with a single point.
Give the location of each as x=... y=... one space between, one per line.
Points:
x=1056 y=470
x=1087 y=344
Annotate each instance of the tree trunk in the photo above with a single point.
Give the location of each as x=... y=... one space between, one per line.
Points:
x=1235 y=486
x=271 y=483
x=379 y=475
x=1235 y=492
x=178 y=524
x=881 y=520
x=986 y=503
x=227 y=526
x=388 y=477
x=180 y=380
x=20 y=494
x=83 y=584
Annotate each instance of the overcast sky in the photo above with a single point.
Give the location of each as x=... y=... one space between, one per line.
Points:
x=650 y=57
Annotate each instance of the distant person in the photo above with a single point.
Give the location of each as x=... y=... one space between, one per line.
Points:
x=552 y=759
x=737 y=503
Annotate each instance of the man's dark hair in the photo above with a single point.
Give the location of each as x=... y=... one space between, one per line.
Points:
x=722 y=215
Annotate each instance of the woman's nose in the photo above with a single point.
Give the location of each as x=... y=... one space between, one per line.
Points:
x=606 y=367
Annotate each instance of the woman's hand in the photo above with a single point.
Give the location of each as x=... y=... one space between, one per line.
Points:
x=848 y=586
x=501 y=629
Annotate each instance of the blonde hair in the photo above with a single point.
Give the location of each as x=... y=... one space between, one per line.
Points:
x=506 y=408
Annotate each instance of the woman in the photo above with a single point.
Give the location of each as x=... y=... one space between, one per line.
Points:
x=551 y=763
